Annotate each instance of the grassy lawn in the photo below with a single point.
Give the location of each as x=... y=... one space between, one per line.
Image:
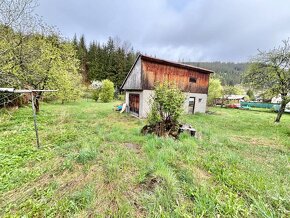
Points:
x=93 y=162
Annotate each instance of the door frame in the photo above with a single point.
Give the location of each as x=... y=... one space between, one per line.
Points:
x=194 y=102
x=134 y=112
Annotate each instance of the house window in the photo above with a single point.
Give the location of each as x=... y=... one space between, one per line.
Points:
x=192 y=80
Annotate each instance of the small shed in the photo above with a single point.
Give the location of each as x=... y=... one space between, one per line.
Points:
x=147 y=71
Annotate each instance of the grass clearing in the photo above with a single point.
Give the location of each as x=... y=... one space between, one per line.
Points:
x=94 y=162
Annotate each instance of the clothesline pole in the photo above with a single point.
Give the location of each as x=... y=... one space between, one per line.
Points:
x=35 y=120
x=22 y=91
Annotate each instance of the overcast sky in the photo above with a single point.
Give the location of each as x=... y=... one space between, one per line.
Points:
x=195 y=30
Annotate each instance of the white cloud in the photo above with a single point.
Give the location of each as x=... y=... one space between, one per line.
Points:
x=191 y=30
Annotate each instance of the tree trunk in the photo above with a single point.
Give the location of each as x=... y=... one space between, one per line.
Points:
x=281 y=110
x=222 y=104
x=36 y=105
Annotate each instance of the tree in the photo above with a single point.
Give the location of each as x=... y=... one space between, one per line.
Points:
x=107 y=91
x=44 y=62
x=166 y=108
x=270 y=71
x=34 y=56
x=251 y=95
x=232 y=90
x=64 y=74
x=82 y=55
x=111 y=60
x=215 y=90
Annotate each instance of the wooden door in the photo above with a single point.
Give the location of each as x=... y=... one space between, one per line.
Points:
x=134 y=103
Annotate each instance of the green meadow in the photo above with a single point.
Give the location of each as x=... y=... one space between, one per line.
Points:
x=93 y=162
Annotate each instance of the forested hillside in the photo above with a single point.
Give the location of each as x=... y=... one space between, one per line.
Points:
x=111 y=60
x=229 y=73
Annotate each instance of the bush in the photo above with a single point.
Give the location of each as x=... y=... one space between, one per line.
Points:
x=96 y=89
x=107 y=91
x=251 y=95
x=166 y=108
x=215 y=90
x=121 y=97
x=96 y=94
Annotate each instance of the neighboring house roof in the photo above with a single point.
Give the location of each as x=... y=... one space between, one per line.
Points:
x=234 y=97
x=169 y=63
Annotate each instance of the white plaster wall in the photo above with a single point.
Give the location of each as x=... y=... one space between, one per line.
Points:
x=200 y=102
x=146 y=106
x=145 y=96
x=127 y=99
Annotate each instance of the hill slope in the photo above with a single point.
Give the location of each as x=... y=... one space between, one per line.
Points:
x=229 y=73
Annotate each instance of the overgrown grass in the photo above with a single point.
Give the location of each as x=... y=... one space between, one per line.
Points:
x=94 y=162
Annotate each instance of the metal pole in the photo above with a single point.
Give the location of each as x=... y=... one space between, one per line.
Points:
x=35 y=121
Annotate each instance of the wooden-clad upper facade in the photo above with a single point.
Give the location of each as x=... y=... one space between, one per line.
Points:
x=148 y=71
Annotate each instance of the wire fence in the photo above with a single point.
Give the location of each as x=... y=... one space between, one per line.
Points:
x=6 y=97
x=9 y=100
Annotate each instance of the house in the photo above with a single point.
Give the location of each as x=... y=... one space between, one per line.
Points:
x=237 y=98
x=230 y=99
x=147 y=71
x=278 y=100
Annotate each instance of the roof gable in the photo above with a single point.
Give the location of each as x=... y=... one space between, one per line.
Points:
x=133 y=79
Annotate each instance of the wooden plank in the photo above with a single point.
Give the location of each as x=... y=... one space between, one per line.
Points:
x=156 y=72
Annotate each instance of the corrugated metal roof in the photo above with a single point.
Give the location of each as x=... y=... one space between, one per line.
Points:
x=234 y=97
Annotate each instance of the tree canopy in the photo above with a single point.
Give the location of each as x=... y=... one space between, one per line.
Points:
x=215 y=90
x=111 y=60
x=270 y=72
x=36 y=57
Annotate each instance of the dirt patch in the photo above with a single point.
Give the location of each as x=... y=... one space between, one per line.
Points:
x=70 y=181
x=21 y=193
x=152 y=182
x=116 y=116
x=67 y=181
x=198 y=135
x=257 y=141
x=200 y=174
x=133 y=194
x=134 y=147
x=257 y=158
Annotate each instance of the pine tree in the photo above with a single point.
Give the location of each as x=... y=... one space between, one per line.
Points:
x=82 y=56
x=111 y=60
